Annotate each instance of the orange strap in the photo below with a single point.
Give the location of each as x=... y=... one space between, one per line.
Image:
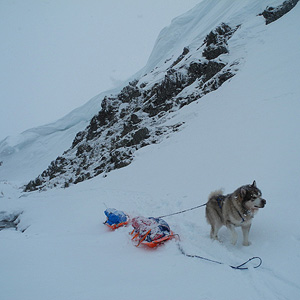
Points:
x=143 y=238
x=135 y=236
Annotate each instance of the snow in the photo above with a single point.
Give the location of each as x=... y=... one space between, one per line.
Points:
x=193 y=26
x=248 y=129
x=43 y=144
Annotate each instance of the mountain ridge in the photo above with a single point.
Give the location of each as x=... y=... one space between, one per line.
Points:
x=135 y=117
x=164 y=80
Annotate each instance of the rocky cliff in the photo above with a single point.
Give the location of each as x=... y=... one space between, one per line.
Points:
x=137 y=116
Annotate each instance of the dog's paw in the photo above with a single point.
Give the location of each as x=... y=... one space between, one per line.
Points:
x=246 y=243
x=234 y=240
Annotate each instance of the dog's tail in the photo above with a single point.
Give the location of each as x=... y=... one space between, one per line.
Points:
x=213 y=210
x=215 y=194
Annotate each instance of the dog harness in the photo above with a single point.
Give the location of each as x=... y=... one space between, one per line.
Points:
x=243 y=220
x=220 y=200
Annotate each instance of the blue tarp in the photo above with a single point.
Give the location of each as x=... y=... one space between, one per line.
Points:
x=115 y=216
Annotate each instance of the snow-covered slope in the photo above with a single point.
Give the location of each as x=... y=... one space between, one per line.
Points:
x=36 y=148
x=247 y=129
x=192 y=27
x=27 y=154
x=197 y=59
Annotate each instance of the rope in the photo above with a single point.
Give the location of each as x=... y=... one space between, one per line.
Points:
x=242 y=266
x=239 y=267
x=182 y=211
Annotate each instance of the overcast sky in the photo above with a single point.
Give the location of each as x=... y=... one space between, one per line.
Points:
x=55 y=55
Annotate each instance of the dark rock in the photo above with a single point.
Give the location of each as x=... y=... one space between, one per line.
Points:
x=139 y=136
x=83 y=148
x=78 y=138
x=204 y=70
x=213 y=51
x=219 y=35
x=32 y=185
x=211 y=69
x=216 y=41
x=120 y=159
x=168 y=88
x=181 y=56
x=9 y=220
x=135 y=119
x=127 y=127
x=79 y=179
x=272 y=14
x=129 y=92
x=195 y=70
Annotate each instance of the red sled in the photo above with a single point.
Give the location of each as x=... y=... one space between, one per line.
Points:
x=153 y=243
x=150 y=232
x=115 y=226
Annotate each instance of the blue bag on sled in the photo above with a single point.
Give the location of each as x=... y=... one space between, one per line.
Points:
x=115 y=218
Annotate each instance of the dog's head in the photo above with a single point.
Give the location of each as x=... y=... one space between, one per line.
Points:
x=251 y=197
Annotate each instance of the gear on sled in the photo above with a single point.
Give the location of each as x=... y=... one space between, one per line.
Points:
x=150 y=232
x=115 y=218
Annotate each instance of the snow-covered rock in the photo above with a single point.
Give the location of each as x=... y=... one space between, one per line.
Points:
x=135 y=117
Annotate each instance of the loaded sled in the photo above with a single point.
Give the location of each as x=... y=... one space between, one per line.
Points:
x=149 y=232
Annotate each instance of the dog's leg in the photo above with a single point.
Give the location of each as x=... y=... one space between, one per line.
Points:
x=214 y=231
x=246 y=230
x=234 y=235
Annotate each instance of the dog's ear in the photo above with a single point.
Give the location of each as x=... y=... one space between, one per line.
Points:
x=254 y=184
x=243 y=192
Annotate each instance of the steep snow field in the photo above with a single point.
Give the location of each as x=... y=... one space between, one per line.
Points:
x=248 y=129
x=43 y=144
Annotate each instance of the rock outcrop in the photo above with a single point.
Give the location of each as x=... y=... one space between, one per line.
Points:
x=136 y=116
x=272 y=14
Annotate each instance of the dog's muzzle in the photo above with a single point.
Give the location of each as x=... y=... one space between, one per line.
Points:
x=263 y=202
x=259 y=203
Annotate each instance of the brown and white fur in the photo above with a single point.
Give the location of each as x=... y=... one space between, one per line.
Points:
x=234 y=210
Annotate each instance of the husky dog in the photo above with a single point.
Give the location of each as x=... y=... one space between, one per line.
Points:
x=232 y=210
